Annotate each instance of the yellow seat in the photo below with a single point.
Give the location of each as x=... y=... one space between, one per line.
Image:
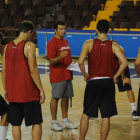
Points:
x=111 y=9
x=134 y=29
x=92 y=26
x=120 y=29
x=110 y=5
x=103 y=15
x=118 y=1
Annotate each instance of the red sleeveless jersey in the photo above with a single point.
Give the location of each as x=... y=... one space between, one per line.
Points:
x=19 y=83
x=102 y=62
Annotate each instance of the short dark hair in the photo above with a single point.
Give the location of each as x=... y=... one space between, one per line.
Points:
x=25 y=26
x=1 y=36
x=103 y=26
x=115 y=41
x=58 y=23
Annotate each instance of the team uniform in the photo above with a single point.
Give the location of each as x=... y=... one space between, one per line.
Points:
x=3 y=106
x=127 y=86
x=60 y=77
x=22 y=93
x=100 y=88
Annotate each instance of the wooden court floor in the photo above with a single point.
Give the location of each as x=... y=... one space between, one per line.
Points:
x=122 y=126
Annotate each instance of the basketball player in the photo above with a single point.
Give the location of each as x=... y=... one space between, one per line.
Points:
x=137 y=68
x=137 y=63
x=124 y=84
x=103 y=71
x=22 y=83
x=59 y=56
x=3 y=111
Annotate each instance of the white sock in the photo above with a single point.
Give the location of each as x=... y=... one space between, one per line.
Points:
x=133 y=106
x=55 y=121
x=65 y=120
x=3 y=132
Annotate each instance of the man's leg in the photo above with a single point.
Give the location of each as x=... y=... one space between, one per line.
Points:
x=3 y=127
x=16 y=132
x=53 y=106
x=131 y=96
x=64 y=107
x=65 y=122
x=55 y=123
x=105 y=128
x=84 y=124
x=37 y=132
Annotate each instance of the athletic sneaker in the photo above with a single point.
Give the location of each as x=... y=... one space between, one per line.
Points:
x=68 y=124
x=134 y=116
x=56 y=126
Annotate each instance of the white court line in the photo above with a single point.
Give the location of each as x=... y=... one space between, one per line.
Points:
x=122 y=103
x=42 y=67
x=133 y=75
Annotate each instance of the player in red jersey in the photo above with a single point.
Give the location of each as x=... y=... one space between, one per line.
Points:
x=103 y=71
x=22 y=84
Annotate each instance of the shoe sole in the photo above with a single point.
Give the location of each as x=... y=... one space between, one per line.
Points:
x=135 y=119
x=70 y=127
x=57 y=129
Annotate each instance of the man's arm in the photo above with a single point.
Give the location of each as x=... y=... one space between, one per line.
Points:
x=122 y=59
x=3 y=72
x=84 y=53
x=137 y=63
x=30 y=54
x=123 y=73
x=56 y=59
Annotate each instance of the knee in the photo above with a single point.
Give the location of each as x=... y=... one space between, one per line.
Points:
x=65 y=99
x=4 y=120
x=84 y=116
x=55 y=100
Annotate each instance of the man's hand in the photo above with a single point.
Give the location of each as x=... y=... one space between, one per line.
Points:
x=63 y=54
x=126 y=80
x=42 y=97
x=86 y=77
x=115 y=78
x=73 y=61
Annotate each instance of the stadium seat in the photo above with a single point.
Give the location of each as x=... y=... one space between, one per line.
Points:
x=118 y=17
x=31 y=16
x=103 y=15
x=73 y=16
x=92 y=26
x=127 y=6
x=39 y=8
x=88 y=16
x=80 y=24
x=96 y=6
